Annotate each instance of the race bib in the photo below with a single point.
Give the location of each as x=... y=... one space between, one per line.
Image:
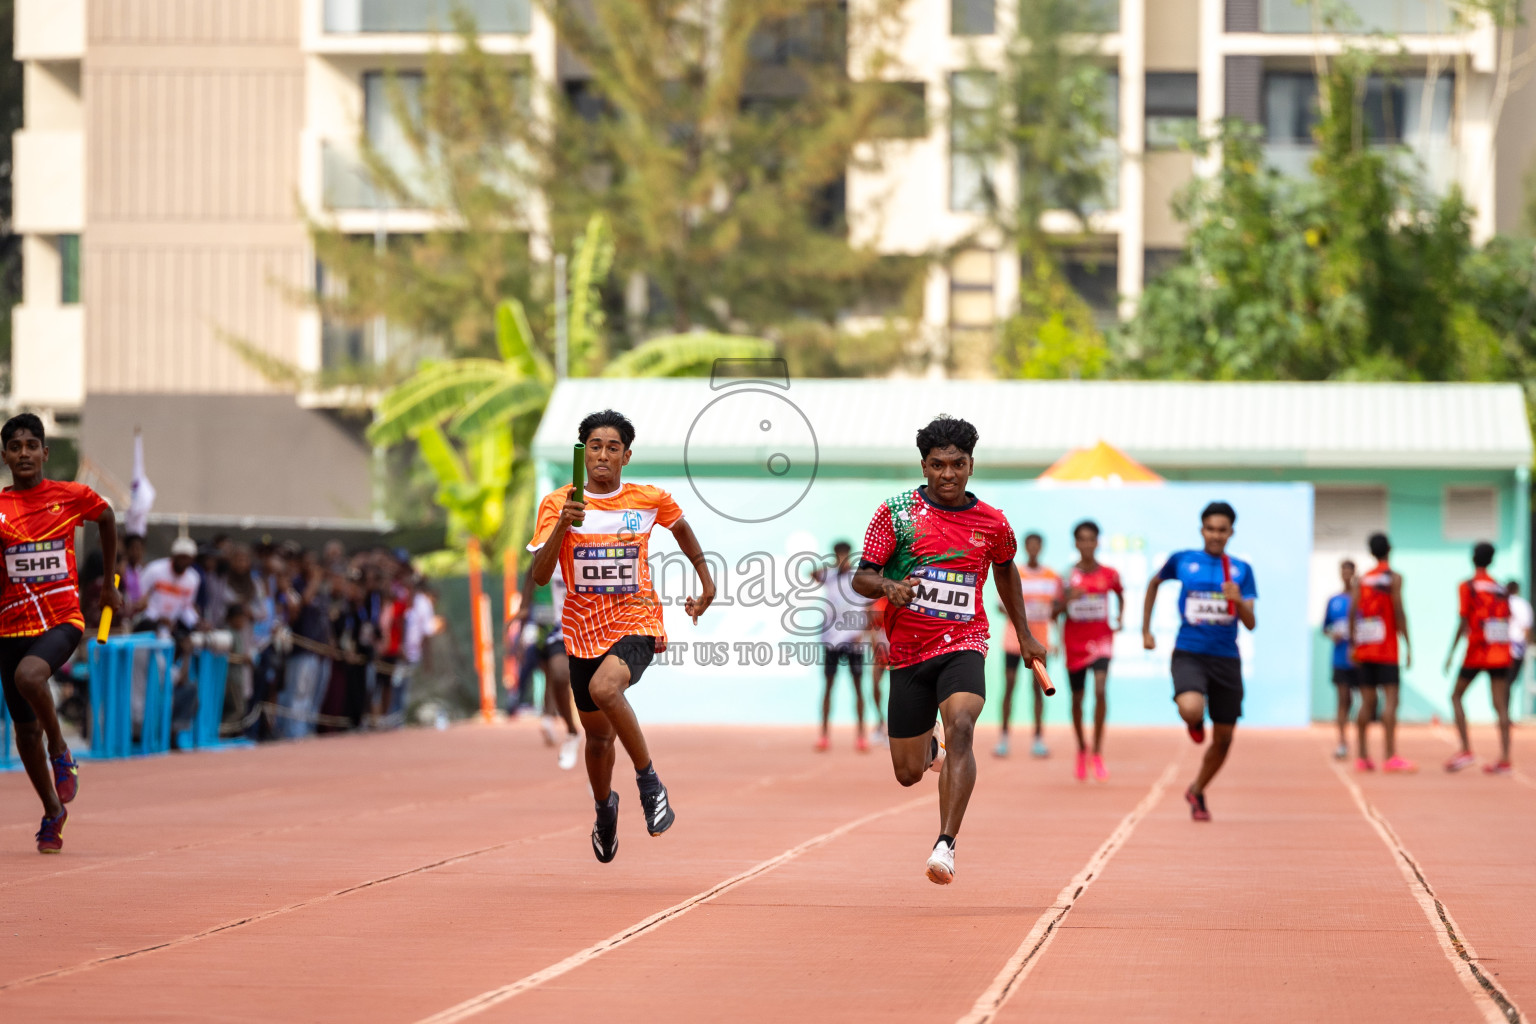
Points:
x=43 y=561
x=1495 y=631
x=1206 y=609
x=1371 y=631
x=1339 y=630
x=1039 y=611
x=945 y=594
x=607 y=569
x=1088 y=608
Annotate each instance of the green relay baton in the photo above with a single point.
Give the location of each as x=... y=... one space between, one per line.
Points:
x=578 y=475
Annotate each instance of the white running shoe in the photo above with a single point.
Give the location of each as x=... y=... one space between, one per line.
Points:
x=547 y=727
x=937 y=764
x=568 y=750
x=941 y=863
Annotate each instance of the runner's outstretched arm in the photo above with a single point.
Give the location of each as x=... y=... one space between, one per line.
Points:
x=1011 y=590
x=689 y=545
x=106 y=528
x=1147 y=639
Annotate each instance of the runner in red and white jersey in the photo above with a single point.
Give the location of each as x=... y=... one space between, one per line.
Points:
x=1484 y=621
x=1376 y=619
x=40 y=620
x=1042 y=589
x=928 y=552
x=1089 y=640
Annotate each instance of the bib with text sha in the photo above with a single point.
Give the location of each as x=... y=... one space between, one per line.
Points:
x=945 y=593
x=1203 y=608
x=43 y=561
x=606 y=569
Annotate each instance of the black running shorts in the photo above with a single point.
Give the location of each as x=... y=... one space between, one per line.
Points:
x=635 y=650
x=918 y=690
x=1495 y=675
x=1011 y=661
x=853 y=654
x=1219 y=679
x=1078 y=679
x=1346 y=677
x=1371 y=673
x=55 y=647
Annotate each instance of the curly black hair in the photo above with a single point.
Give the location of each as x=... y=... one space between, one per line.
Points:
x=22 y=421
x=607 y=418
x=945 y=431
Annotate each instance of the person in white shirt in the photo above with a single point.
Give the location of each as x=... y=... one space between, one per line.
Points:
x=841 y=635
x=1520 y=622
x=169 y=588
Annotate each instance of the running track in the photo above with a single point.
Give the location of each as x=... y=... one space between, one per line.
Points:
x=447 y=876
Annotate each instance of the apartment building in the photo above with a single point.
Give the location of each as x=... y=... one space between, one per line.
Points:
x=171 y=146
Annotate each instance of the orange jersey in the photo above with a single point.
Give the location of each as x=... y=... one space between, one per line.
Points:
x=1376 y=618
x=1485 y=607
x=37 y=531
x=1042 y=588
x=605 y=562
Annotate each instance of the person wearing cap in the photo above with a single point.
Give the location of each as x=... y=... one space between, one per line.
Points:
x=170 y=588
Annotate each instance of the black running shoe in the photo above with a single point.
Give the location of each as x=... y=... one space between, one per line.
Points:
x=658 y=810
x=605 y=833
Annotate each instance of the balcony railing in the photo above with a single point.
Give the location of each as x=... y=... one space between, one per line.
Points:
x=1435 y=166
x=349 y=185
x=1395 y=17
x=491 y=16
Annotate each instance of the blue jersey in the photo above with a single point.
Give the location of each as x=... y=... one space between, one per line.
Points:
x=1207 y=624
x=1336 y=625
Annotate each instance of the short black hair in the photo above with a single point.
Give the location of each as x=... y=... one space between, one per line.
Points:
x=1379 y=545
x=842 y=545
x=1513 y=586
x=1033 y=536
x=1349 y=562
x=22 y=421
x=1086 y=524
x=1482 y=555
x=946 y=431
x=607 y=418
x=1219 y=508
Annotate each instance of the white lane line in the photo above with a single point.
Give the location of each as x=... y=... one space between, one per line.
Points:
x=1492 y=1001
x=1048 y=924
x=478 y=1004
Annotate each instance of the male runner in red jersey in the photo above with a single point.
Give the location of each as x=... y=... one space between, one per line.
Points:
x=1376 y=618
x=40 y=620
x=1485 y=624
x=1042 y=589
x=928 y=551
x=1090 y=640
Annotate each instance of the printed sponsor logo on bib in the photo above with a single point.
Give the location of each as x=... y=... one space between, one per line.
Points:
x=1088 y=608
x=606 y=569
x=1202 y=608
x=946 y=594
x=43 y=561
x=1495 y=631
x=1372 y=630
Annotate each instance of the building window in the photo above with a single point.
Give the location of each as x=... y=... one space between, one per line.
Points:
x=972 y=302
x=971 y=95
x=69 y=270
x=381 y=127
x=495 y=16
x=1393 y=17
x=1096 y=278
x=902 y=112
x=1157 y=262
x=972 y=17
x=1172 y=108
x=1343 y=518
x=1471 y=513
x=1393 y=108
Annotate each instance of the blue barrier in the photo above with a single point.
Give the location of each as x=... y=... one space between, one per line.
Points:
x=7 y=761
x=112 y=675
x=210 y=673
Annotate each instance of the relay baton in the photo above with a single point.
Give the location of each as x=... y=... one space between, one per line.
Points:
x=578 y=475
x=1043 y=678
x=106 y=614
x=1226 y=576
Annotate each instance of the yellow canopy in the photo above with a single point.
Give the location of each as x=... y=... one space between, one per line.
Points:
x=1103 y=464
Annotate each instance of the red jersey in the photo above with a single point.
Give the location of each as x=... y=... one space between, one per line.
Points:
x=1086 y=635
x=1485 y=607
x=1041 y=589
x=950 y=551
x=37 y=531
x=1376 y=618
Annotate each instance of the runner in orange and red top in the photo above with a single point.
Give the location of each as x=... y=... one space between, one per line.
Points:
x=1090 y=641
x=1485 y=623
x=1042 y=589
x=1376 y=619
x=40 y=620
x=612 y=617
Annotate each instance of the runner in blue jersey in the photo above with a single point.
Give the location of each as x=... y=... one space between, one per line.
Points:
x=1345 y=678
x=1216 y=593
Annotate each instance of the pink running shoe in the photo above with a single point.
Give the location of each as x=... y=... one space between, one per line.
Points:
x=1080 y=770
x=1399 y=763
x=1502 y=768
x=1100 y=773
x=861 y=745
x=824 y=744
x=1197 y=811
x=1460 y=761
x=1364 y=764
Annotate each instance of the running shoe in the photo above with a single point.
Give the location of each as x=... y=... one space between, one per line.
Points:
x=1502 y=768
x=50 y=836
x=1100 y=773
x=1364 y=764
x=66 y=777
x=658 y=811
x=605 y=832
x=1197 y=732
x=1460 y=761
x=547 y=727
x=861 y=744
x=1196 y=801
x=1001 y=750
x=1080 y=770
x=878 y=736
x=1399 y=763
x=941 y=863
x=1341 y=752
x=823 y=743
x=1038 y=748
x=936 y=757
x=568 y=749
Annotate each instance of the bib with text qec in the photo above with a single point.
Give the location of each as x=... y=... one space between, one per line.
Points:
x=606 y=569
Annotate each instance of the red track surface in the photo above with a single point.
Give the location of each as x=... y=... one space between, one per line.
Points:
x=397 y=877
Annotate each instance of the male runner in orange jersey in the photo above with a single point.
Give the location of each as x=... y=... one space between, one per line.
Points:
x=1376 y=618
x=1042 y=589
x=40 y=620
x=1484 y=606
x=612 y=617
